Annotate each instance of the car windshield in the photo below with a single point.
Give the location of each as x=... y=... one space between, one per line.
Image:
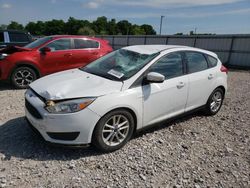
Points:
x=38 y=42
x=119 y=65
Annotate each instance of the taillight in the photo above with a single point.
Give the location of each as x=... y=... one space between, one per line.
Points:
x=223 y=69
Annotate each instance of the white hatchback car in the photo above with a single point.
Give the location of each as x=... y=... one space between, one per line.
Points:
x=105 y=102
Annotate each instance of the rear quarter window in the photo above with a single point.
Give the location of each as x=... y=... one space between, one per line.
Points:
x=83 y=44
x=212 y=62
x=18 y=37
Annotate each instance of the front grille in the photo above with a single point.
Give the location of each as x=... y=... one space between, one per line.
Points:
x=32 y=110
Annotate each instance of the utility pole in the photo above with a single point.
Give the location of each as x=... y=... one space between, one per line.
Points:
x=161 y=23
x=195 y=29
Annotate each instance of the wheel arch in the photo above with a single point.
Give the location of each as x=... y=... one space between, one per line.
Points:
x=207 y=108
x=26 y=64
x=119 y=108
x=223 y=89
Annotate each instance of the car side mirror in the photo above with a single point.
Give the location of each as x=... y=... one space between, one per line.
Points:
x=45 y=49
x=154 y=77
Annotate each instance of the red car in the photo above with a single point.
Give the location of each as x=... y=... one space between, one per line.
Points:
x=23 y=65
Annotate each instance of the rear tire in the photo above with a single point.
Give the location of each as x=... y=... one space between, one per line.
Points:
x=113 y=131
x=214 y=102
x=22 y=77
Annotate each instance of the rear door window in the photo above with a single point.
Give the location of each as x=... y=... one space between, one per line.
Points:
x=85 y=44
x=196 y=62
x=18 y=37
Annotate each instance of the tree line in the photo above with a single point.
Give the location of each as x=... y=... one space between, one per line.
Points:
x=73 y=26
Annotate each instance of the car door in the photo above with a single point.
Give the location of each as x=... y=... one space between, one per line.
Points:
x=167 y=99
x=59 y=58
x=85 y=51
x=200 y=78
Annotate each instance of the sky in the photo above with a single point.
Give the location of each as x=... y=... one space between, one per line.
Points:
x=180 y=16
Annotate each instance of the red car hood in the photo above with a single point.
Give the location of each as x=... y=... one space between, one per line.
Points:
x=13 y=49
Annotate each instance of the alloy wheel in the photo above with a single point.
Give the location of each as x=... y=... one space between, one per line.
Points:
x=23 y=77
x=216 y=101
x=115 y=130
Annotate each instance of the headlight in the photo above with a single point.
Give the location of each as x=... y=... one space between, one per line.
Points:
x=69 y=106
x=2 y=56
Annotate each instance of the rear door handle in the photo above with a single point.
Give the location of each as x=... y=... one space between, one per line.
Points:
x=210 y=76
x=68 y=55
x=94 y=53
x=180 y=85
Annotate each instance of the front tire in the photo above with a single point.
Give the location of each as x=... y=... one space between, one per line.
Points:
x=214 y=102
x=22 y=77
x=113 y=130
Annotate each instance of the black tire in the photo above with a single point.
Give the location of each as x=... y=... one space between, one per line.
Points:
x=210 y=109
x=21 y=77
x=98 y=139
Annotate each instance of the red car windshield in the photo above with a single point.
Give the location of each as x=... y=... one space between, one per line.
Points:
x=38 y=42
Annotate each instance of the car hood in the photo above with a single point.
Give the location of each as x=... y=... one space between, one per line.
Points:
x=13 y=49
x=74 y=84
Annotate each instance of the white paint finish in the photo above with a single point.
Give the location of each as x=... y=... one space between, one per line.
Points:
x=199 y=89
x=130 y=98
x=149 y=49
x=164 y=100
x=74 y=84
x=73 y=122
x=201 y=85
x=150 y=103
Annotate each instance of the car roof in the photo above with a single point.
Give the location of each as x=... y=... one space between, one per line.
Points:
x=75 y=36
x=151 y=49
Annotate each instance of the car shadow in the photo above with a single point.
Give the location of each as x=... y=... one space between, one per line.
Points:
x=168 y=123
x=5 y=86
x=17 y=139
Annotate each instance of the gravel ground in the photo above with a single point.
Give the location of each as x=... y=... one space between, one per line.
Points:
x=195 y=151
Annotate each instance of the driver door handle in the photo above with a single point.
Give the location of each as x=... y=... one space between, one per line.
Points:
x=180 y=85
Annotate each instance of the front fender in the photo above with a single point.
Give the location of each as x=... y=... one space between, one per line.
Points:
x=27 y=64
x=130 y=99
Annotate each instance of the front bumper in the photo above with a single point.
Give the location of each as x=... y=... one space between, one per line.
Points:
x=67 y=129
